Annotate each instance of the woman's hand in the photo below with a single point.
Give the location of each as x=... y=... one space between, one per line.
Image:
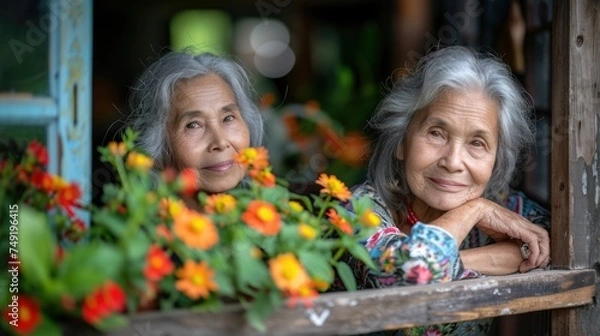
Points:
x=499 y=222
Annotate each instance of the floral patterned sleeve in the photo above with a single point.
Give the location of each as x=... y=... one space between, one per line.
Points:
x=428 y=255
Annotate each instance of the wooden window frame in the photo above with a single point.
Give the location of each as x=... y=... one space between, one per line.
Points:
x=569 y=290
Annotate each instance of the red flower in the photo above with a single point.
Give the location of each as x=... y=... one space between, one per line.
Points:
x=102 y=302
x=38 y=151
x=158 y=264
x=42 y=180
x=23 y=314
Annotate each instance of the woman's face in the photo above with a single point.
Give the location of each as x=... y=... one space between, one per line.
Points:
x=205 y=130
x=450 y=150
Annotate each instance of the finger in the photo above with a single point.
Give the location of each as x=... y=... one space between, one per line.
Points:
x=526 y=266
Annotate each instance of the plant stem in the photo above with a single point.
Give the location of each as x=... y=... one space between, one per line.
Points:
x=327 y=200
x=339 y=254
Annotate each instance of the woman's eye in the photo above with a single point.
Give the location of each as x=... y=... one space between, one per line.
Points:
x=436 y=134
x=193 y=124
x=478 y=143
x=228 y=118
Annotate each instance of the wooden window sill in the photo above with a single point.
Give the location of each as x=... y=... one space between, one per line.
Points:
x=390 y=308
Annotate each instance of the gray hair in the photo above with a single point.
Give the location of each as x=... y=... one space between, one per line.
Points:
x=151 y=98
x=453 y=68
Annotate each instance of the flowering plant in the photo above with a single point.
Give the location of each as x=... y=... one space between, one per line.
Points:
x=158 y=243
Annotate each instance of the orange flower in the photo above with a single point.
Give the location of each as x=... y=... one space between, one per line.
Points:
x=262 y=217
x=267 y=100
x=68 y=196
x=340 y=222
x=195 y=230
x=139 y=161
x=220 y=203
x=263 y=177
x=254 y=157
x=370 y=219
x=28 y=315
x=303 y=295
x=196 y=280
x=288 y=273
x=117 y=149
x=188 y=181
x=164 y=232
x=158 y=264
x=334 y=187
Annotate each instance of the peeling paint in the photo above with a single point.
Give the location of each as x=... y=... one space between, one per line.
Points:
x=584 y=182
x=505 y=311
x=596 y=180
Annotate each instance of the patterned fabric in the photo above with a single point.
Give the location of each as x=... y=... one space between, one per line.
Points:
x=427 y=255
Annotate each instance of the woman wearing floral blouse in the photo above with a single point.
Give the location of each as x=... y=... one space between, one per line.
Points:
x=449 y=137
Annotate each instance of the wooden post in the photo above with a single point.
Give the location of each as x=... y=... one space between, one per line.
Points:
x=575 y=187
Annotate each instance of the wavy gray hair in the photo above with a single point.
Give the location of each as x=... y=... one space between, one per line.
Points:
x=151 y=97
x=453 y=68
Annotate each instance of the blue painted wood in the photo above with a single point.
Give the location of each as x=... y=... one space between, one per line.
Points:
x=28 y=111
x=72 y=86
x=67 y=113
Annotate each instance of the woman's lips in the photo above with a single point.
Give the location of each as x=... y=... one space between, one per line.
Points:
x=221 y=166
x=447 y=185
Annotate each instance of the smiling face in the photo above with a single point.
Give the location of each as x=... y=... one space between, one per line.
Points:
x=449 y=152
x=205 y=130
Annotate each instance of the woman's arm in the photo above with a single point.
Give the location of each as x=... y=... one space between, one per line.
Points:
x=499 y=258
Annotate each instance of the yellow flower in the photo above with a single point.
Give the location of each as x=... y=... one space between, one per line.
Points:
x=334 y=187
x=139 y=161
x=370 y=219
x=196 y=280
x=170 y=207
x=220 y=203
x=117 y=149
x=288 y=273
x=295 y=206
x=195 y=230
x=306 y=231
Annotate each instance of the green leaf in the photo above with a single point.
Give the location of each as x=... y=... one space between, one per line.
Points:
x=346 y=274
x=261 y=307
x=275 y=195
x=137 y=246
x=47 y=328
x=358 y=251
x=36 y=246
x=249 y=271
x=109 y=220
x=317 y=264
x=89 y=266
x=112 y=322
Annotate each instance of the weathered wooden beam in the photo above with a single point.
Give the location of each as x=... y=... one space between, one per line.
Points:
x=391 y=308
x=575 y=151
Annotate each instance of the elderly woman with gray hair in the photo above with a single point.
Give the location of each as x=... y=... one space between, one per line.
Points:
x=449 y=135
x=196 y=111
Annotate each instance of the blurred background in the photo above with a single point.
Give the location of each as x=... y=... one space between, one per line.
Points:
x=319 y=67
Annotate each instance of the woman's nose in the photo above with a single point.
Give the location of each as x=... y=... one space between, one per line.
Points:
x=452 y=158
x=218 y=141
